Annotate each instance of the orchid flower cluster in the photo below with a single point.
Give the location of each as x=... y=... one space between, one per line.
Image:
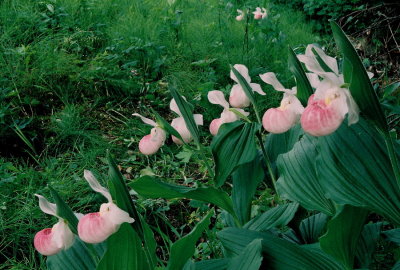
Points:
x=152 y=142
x=92 y=228
x=259 y=14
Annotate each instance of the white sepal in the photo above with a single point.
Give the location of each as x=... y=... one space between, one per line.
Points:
x=95 y=185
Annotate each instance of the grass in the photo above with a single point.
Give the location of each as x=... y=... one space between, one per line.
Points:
x=73 y=72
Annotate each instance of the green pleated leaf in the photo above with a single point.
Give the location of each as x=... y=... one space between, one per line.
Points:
x=233 y=146
x=150 y=244
x=354 y=168
x=249 y=259
x=183 y=249
x=124 y=251
x=343 y=234
x=278 y=253
x=304 y=89
x=393 y=236
x=298 y=179
x=360 y=86
x=64 y=211
x=215 y=264
x=245 y=180
x=367 y=244
x=77 y=257
x=396 y=266
x=245 y=85
x=187 y=114
x=275 y=217
x=150 y=187
x=313 y=227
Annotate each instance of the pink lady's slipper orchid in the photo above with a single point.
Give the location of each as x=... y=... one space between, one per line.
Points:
x=279 y=120
x=258 y=15
x=96 y=227
x=227 y=116
x=237 y=97
x=50 y=241
x=180 y=125
x=150 y=143
x=327 y=108
x=240 y=16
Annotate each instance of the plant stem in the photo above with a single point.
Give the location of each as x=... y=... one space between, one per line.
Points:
x=267 y=161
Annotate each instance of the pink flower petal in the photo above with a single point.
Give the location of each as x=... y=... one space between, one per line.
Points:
x=44 y=243
x=94 y=228
x=180 y=126
x=214 y=126
x=147 y=146
x=238 y=98
x=319 y=119
x=278 y=121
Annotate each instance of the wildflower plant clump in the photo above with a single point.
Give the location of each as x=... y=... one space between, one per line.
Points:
x=325 y=151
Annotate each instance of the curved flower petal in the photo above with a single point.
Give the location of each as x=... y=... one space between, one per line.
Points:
x=270 y=78
x=95 y=185
x=198 y=119
x=94 y=228
x=313 y=79
x=174 y=107
x=278 y=121
x=150 y=144
x=44 y=243
x=217 y=97
x=215 y=125
x=115 y=214
x=264 y=13
x=62 y=235
x=238 y=98
x=257 y=88
x=46 y=206
x=242 y=69
x=145 y=120
x=240 y=16
x=258 y=14
x=180 y=126
x=228 y=116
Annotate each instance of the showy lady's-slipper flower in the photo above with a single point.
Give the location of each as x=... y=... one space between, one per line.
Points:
x=180 y=125
x=258 y=15
x=227 y=116
x=327 y=108
x=237 y=97
x=281 y=119
x=50 y=241
x=240 y=16
x=97 y=227
x=150 y=143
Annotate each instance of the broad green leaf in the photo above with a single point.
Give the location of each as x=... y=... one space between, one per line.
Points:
x=321 y=62
x=396 y=266
x=233 y=146
x=275 y=217
x=354 y=168
x=120 y=194
x=313 y=227
x=249 y=259
x=215 y=264
x=124 y=251
x=64 y=211
x=245 y=180
x=390 y=89
x=245 y=85
x=393 y=236
x=150 y=244
x=77 y=257
x=298 y=179
x=279 y=254
x=304 y=89
x=150 y=187
x=277 y=144
x=367 y=244
x=344 y=231
x=360 y=86
x=187 y=113
x=184 y=248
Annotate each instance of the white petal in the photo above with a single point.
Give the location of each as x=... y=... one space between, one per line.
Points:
x=198 y=118
x=313 y=79
x=217 y=97
x=270 y=78
x=95 y=185
x=62 y=235
x=329 y=61
x=353 y=110
x=238 y=98
x=180 y=126
x=46 y=206
x=370 y=74
x=257 y=88
x=174 y=107
x=242 y=69
x=115 y=214
x=146 y=120
x=228 y=116
x=243 y=112
x=78 y=215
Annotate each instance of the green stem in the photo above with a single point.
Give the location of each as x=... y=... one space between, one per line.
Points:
x=267 y=161
x=393 y=157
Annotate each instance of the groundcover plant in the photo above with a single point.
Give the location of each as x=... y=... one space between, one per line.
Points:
x=329 y=157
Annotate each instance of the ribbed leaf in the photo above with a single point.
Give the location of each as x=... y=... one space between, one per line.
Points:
x=343 y=233
x=313 y=227
x=279 y=254
x=245 y=181
x=187 y=114
x=124 y=251
x=184 y=248
x=150 y=187
x=304 y=89
x=393 y=236
x=233 y=146
x=360 y=86
x=249 y=259
x=354 y=168
x=215 y=264
x=275 y=217
x=367 y=243
x=64 y=211
x=298 y=179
